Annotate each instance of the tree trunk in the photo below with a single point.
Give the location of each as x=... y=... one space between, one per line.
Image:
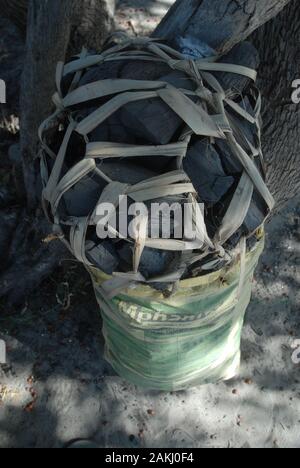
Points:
x=223 y=24
x=91 y=20
x=278 y=43
x=16 y=12
x=220 y=23
x=48 y=35
x=54 y=28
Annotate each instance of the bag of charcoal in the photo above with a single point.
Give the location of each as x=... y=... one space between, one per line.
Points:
x=143 y=123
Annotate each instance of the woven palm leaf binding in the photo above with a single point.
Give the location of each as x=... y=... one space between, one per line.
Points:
x=181 y=137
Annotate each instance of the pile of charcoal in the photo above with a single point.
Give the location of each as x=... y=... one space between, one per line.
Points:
x=159 y=124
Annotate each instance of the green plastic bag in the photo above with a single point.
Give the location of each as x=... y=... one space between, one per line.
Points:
x=192 y=338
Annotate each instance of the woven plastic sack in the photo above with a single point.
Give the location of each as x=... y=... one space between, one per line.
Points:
x=192 y=338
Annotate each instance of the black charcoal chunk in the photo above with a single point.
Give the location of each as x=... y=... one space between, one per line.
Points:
x=203 y=165
x=256 y=214
x=160 y=164
x=251 y=242
x=179 y=79
x=8 y=223
x=111 y=129
x=82 y=198
x=165 y=288
x=6 y=198
x=125 y=171
x=244 y=54
x=153 y=262
x=144 y=70
x=75 y=151
x=235 y=239
x=208 y=265
x=103 y=133
x=166 y=217
x=152 y=120
x=14 y=155
x=103 y=255
x=246 y=131
x=126 y=253
x=230 y=162
x=243 y=129
x=104 y=71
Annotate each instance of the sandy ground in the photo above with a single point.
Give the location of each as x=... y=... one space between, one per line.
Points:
x=57 y=387
x=140 y=16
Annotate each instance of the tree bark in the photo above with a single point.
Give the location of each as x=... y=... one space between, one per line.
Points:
x=16 y=12
x=54 y=27
x=220 y=23
x=91 y=20
x=48 y=35
x=278 y=43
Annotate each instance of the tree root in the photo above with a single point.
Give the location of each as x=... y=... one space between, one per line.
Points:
x=30 y=261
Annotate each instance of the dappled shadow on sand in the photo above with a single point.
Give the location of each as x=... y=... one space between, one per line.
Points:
x=57 y=386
